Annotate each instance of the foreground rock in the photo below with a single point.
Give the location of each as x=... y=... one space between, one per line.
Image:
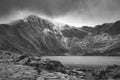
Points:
x=23 y=67
x=112 y=72
x=17 y=72
x=35 y=68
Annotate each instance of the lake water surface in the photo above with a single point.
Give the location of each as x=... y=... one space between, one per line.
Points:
x=86 y=60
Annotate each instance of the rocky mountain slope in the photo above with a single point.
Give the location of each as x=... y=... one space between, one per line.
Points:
x=36 y=36
x=32 y=35
x=101 y=40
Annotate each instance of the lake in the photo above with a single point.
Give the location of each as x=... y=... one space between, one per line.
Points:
x=86 y=60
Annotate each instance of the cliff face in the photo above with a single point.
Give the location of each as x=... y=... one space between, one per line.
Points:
x=32 y=36
x=101 y=40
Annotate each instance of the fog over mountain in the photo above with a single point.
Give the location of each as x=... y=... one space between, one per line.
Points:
x=73 y=12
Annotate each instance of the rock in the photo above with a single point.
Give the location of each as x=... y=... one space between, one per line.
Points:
x=6 y=56
x=32 y=68
x=21 y=57
x=40 y=78
x=53 y=76
x=53 y=65
x=23 y=60
x=41 y=64
x=48 y=65
x=17 y=72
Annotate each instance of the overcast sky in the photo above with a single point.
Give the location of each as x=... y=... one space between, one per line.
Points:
x=74 y=12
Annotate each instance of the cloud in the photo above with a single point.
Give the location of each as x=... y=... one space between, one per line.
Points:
x=13 y=9
x=92 y=12
x=74 y=12
x=48 y=7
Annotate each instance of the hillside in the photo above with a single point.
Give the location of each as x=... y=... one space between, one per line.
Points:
x=101 y=40
x=36 y=36
x=32 y=35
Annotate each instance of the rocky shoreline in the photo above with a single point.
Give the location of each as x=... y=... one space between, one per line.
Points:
x=23 y=67
x=34 y=68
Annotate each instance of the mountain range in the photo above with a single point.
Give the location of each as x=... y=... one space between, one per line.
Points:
x=34 y=35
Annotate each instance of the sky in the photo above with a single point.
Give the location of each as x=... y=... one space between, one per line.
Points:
x=74 y=12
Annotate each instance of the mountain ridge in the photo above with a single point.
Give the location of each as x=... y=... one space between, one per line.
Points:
x=37 y=36
x=31 y=36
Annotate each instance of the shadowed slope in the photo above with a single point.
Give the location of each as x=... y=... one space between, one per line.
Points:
x=32 y=36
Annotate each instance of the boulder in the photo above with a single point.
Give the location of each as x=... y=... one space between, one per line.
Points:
x=17 y=72
x=48 y=65
x=41 y=64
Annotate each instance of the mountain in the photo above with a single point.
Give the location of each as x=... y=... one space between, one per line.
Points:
x=102 y=40
x=73 y=32
x=32 y=35
x=110 y=28
x=37 y=36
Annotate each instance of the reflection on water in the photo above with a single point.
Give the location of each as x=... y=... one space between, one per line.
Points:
x=87 y=60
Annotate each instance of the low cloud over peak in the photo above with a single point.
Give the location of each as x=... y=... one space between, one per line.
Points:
x=74 y=12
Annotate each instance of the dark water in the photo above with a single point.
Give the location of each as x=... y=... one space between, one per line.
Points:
x=86 y=60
